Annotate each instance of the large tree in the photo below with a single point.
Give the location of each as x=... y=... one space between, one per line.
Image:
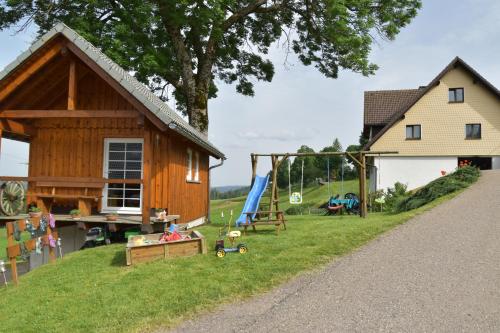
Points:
x=188 y=45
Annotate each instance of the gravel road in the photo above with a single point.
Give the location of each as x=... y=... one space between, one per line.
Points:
x=440 y=272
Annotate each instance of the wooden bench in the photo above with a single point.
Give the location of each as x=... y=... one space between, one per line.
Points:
x=45 y=200
x=277 y=220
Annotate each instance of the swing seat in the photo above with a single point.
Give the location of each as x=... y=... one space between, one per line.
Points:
x=296 y=198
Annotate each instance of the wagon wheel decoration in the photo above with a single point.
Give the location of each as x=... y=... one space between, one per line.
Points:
x=12 y=198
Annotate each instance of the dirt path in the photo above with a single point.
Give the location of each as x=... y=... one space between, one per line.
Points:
x=440 y=272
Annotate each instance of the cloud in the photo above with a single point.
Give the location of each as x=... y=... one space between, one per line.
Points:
x=279 y=135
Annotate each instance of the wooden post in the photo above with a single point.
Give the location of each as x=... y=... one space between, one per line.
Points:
x=254 y=160
x=362 y=186
x=274 y=187
x=146 y=186
x=10 y=242
x=72 y=86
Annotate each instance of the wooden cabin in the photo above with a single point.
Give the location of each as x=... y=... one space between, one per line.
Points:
x=99 y=139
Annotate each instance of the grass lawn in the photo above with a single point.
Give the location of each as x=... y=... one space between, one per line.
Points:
x=93 y=290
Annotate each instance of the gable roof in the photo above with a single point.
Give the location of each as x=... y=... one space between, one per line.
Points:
x=381 y=105
x=456 y=62
x=141 y=92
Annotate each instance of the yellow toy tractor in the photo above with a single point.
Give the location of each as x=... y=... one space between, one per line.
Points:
x=232 y=236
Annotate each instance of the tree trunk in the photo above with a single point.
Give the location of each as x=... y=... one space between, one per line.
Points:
x=198 y=115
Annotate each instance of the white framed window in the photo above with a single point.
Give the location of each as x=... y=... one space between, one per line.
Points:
x=123 y=158
x=196 y=167
x=189 y=165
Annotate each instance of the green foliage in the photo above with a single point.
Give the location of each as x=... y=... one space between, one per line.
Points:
x=455 y=181
x=238 y=192
x=75 y=212
x=395 y=195
x=192 y=45
x=299 y=209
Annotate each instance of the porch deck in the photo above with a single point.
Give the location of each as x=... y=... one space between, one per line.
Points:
x=96 y=219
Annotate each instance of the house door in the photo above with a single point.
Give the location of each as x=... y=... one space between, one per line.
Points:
x=123 y=160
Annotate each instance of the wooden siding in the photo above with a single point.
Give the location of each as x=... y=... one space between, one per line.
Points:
x=74 y=147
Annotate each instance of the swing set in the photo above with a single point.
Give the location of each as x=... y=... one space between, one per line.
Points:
x=350 y=199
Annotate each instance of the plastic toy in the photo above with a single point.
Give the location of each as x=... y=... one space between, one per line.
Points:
x=232 y=236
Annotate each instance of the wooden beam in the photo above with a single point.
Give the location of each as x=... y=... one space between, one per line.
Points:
x=29 y=114
x=146 y=187
x=72 y=86
x=117 y=86
x=7 y=125
x=30 y=70
x=70 y=179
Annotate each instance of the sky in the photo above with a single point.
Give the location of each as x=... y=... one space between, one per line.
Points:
x=300 y=106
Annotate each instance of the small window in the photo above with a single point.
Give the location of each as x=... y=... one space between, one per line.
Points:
x=413 y=132
x=189 y=165
x=197 y=167
x=456 y=95
x=473 y=131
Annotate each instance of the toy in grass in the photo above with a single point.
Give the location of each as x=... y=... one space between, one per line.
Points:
x=350 y=204
x=232 y=236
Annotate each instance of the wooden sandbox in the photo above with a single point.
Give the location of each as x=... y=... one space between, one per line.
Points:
x=152 y=249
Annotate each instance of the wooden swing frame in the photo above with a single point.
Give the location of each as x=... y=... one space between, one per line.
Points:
x=359 y=158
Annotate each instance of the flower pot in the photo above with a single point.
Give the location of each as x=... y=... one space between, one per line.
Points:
x=76 y=216
x=158 y=215
x=35 y=214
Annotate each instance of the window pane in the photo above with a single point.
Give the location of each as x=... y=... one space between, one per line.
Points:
x=115 y=186
x=409 y=132
x=132 y=203
x=133 y=194
x=115 y=194
x=134 y=156
x=116 y=156
x=459 y=94
x=133 y=186
x=468 y=131
x=133 y=175
x=476 y=131
x=134 y=147
x=451 y=95
x=115 y=174
x=416 y=132
x=115 y=202
x=116 y=146
x=133 y=166
x=116 y=165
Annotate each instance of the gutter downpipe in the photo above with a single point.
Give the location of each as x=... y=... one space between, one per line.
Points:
x=210 y=187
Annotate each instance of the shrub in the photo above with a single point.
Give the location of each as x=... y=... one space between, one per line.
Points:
x=395 y=195
x=298 y=209
x=461 y=178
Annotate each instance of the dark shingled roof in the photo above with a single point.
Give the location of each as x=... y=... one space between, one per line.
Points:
x=381 y=105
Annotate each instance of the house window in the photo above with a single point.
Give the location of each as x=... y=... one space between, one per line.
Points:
x=123 y=160
x=473 y=131
x=456 y=95
x=196 y=167
x=413 y=132
x=192 y=166
x=189 y=165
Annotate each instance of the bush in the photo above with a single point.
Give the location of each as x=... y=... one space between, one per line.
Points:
x=455 y=181
x=395 y=195
x=298 y=209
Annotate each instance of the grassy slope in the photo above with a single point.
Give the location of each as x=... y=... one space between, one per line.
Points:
x=92 y=290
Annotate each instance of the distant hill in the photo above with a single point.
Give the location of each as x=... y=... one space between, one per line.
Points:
x=227 y=192
x=224 y=189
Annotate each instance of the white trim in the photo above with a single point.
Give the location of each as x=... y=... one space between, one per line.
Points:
x=120 y=210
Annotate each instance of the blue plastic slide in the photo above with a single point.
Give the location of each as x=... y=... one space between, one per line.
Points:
x=253 y=199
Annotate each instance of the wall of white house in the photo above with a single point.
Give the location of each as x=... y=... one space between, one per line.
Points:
x=414 y=171
x=495 y=162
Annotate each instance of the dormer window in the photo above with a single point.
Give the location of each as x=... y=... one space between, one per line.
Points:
x=456 y=95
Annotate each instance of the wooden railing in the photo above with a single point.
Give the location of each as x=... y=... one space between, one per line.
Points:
x=71 y=179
